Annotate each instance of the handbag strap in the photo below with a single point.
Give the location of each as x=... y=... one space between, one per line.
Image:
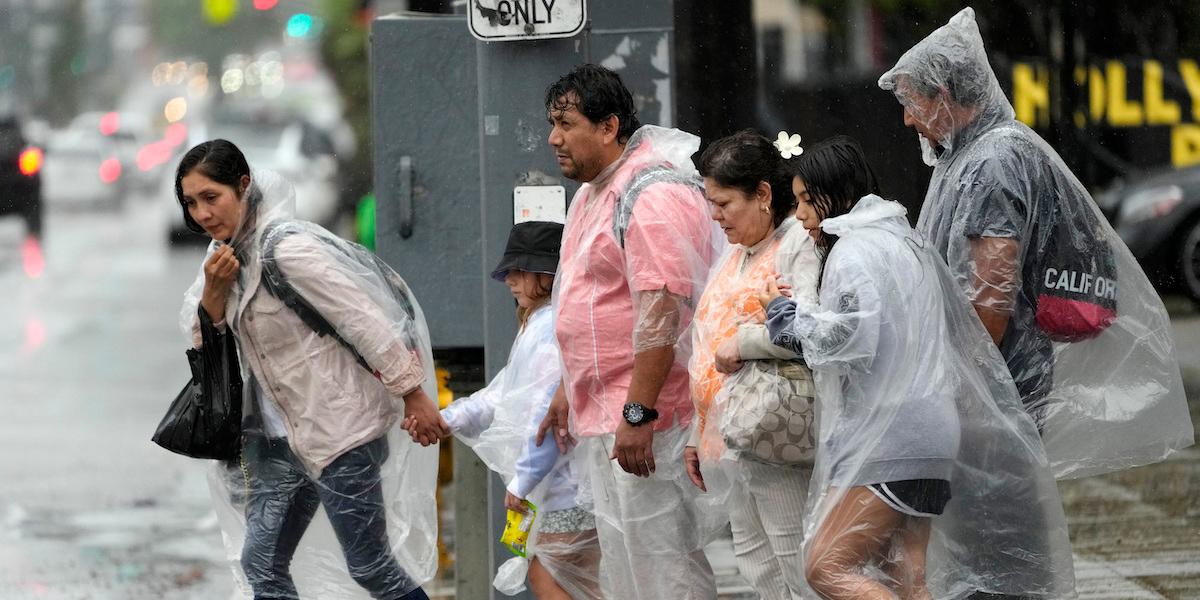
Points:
x=792 y=370
x=218 y=348
x=208 y=332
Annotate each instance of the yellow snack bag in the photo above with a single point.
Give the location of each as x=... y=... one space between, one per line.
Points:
x=517 y=528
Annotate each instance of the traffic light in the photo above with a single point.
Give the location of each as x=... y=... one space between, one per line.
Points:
x=300 y=25
x=219 y=12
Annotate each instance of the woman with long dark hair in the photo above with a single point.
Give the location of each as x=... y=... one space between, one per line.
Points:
x=927 y=464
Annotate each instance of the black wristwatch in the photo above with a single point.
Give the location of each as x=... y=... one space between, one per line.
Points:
x=635 y=414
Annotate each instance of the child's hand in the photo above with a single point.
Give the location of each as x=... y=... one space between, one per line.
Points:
x=427 y=425
x=772 y=291
x=514 y=503
x=409 y=425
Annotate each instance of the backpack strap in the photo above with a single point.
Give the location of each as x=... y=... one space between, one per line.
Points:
x=278 y=286
x=623 y=213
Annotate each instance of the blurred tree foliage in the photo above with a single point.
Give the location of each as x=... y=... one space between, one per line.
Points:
x=68 y=66
x=344 y=52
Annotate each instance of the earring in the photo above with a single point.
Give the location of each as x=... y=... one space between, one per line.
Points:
x=765 y=208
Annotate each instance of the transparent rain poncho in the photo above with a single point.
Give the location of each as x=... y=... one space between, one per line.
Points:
x=1088 y=341
x=909 y=387
x=637 y=247
x=754 y=429
x=729 y=310
x=499 y=422
x=326 y=478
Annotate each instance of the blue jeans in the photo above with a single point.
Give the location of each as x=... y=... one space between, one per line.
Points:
x=283 y=500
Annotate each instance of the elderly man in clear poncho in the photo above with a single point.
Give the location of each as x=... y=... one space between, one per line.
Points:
x=1084 y=334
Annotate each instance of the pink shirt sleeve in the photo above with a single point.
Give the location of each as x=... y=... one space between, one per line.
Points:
x=667 y=243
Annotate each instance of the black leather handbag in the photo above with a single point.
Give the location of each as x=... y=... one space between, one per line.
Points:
x=205 y=419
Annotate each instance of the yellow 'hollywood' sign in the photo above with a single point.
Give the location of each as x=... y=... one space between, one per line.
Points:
x=1110 y=103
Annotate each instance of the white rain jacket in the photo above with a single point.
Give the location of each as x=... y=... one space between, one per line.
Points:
x=910 y=387
x=500 y=422
x=1088 y=341
x=311 y=389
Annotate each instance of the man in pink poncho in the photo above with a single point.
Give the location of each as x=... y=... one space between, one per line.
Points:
x=636 y=248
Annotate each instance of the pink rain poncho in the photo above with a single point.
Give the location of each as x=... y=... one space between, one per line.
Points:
x=323 y=454
x=636 y=249
x=909 y=387
x=1087 y=340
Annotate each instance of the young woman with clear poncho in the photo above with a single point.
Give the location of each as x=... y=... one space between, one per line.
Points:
x=752 y=434
x=500 y=421
x=928 y=468
x=321 y=409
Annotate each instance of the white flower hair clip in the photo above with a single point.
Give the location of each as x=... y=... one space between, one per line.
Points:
x=788 y=146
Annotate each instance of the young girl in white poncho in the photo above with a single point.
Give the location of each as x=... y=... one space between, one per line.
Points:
x=500 y=422
x=928 y=468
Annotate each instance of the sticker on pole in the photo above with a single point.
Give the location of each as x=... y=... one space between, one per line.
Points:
x=539 y=203
x=507 y=20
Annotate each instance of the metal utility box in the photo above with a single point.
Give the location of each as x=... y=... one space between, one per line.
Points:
x=426 y=152
x=459 y=123
x=458 y=126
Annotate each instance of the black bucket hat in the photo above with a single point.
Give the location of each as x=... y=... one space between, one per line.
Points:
x=533 y=247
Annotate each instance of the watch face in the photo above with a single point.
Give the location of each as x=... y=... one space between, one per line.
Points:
x=634 y=413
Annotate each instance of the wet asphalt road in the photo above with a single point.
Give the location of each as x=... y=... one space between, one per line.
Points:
x=91 y=354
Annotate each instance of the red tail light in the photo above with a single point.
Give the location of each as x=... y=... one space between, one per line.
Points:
x=31 y=255
x=30 y=161
x=110 y=123
x=110 y=170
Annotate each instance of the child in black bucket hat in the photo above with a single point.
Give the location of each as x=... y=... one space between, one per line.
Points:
x=529 y=263
x=500 y=423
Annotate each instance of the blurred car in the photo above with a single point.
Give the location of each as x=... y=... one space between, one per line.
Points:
x=301 y=153
x=1158 y=216
x=83 y=170
x=20 y=176
x=126 y=135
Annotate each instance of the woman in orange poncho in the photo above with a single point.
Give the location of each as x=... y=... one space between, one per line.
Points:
x=752 y=440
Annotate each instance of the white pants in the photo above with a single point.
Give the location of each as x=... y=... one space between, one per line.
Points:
x=652 y=533
x=766 y=513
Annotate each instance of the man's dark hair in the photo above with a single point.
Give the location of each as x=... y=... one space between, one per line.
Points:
x=600 y=94
x=219 y=160
x=744 y=159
